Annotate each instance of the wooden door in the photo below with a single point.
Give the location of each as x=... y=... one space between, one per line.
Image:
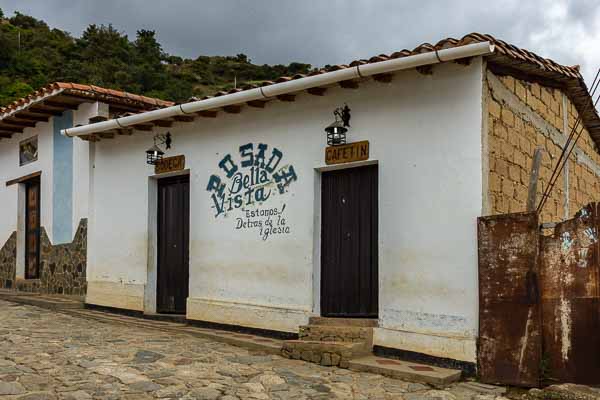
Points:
x=173 y=244
x=32 y=229
x=349 y=276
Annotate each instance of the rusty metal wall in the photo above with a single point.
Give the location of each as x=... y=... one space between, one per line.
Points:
x=570 y=292
x=509 y=348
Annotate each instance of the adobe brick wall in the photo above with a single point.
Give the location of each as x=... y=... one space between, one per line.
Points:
x=520 y=117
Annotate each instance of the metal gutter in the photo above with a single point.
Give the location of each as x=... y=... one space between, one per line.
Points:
x=267 y=92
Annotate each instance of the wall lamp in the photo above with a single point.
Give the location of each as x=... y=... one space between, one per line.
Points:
x=155 y=153
x=336 y=131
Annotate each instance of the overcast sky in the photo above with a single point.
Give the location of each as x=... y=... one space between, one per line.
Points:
x=334 y=31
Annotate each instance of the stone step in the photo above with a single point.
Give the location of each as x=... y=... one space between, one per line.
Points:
x=405 y=370
x=327 y=333
x=324 y=353
x=326 y=321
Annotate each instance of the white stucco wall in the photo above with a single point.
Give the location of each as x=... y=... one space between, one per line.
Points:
x=425 y=133
x=10 y=169
x=81 y=162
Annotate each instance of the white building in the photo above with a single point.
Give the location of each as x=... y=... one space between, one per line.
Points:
x=257 y=230
x=45 y=184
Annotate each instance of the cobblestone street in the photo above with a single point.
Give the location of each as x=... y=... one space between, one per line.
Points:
x=49 y=355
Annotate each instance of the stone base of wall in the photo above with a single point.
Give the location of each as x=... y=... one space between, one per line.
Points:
x=249 y=315
x=455 y=348
x=8 y=262
x=62 y=266
x=125 y=296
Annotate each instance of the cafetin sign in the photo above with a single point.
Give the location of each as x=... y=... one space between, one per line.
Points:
x=169 y=164
x=346 y=153
x=246 y=185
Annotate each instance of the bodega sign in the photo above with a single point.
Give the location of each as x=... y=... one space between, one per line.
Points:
x=249 y=178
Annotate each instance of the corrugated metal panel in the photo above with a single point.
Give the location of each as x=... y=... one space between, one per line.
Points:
x=570 y=287
x=509 y=350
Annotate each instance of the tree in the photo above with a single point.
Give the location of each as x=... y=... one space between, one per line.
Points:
x=106 y=57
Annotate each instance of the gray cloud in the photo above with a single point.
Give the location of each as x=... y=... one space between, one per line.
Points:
x=334 y=31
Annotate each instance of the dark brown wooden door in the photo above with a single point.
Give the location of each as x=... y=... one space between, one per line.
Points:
x=32 y=229
x=349 y=278
x=173 y=244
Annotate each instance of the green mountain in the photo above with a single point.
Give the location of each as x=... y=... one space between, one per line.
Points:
x=33 y=55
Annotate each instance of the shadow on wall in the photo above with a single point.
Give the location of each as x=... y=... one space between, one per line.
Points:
x=62 y=267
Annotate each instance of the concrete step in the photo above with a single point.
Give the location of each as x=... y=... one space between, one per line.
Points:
x=324 y=353
x=327 y=333
x=405 y=370
x=326 y=321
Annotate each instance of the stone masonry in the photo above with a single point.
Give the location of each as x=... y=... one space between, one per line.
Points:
x=62 y=267
x=331 y=341
x=8 y=262
x=522 y=116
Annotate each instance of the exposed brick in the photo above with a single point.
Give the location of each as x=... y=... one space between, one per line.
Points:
x=512 y=142
x=495 y=182
x=508 y=117
x=494 y=108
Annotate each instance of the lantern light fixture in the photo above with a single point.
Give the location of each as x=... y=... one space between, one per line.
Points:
x=155 y=153
x=336 y=131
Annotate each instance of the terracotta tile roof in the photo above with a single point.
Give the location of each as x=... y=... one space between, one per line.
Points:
x=84 y=93
x=507 y=59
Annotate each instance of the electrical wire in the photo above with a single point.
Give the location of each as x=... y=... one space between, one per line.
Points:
x=569 y=145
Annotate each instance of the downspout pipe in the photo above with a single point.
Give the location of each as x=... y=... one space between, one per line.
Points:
x=271 y=91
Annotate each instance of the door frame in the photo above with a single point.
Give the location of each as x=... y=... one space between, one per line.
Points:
x=316 y=306
x=27 y=184
x=150 y=292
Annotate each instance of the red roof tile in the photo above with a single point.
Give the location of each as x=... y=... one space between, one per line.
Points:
x=507 y=59
x=92 y=92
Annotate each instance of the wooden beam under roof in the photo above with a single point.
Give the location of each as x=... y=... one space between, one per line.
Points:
x=233 y=109
x=7 y=128
x=106 y=135
x=125 y=131
x=425 y=69
x=19 y=122
x=143 y=127
x=316 y=91
x=117 y=108
x=164 y=123
x=38 y=109
x=207 y=113
x=349 y=84
x=184 y=118
x=6 y=135
x=60 y=104
x=384 y=78
x=28 y=116
x=90 y=138
x=287 y=97
x=257 y=103
x=126 y=104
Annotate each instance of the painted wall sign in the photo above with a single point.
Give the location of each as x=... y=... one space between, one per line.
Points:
x=357 y=151
x=249 y=180
x=169 y=164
